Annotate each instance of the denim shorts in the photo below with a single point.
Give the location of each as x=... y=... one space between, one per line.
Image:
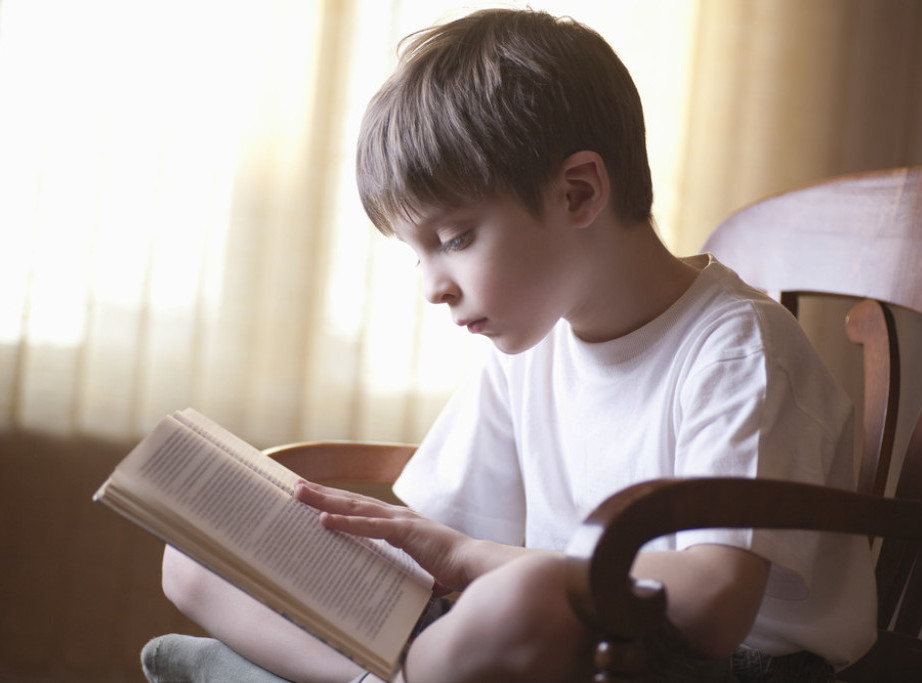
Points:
x=745 y=665
x=670 y=659
x=752 y=666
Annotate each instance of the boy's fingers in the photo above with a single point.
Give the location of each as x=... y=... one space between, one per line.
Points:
x=370 y=527
x=319 y=491
x=339 y=502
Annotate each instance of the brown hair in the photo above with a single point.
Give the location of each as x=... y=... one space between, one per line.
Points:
x=494 y=102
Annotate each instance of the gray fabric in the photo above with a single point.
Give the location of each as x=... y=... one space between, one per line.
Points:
x=175 y=658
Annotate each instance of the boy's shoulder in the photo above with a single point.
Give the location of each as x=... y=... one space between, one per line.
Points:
x=724 y=316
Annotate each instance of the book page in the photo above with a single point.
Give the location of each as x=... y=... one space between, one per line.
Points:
x=277 y=473
x=237 y=448
x=321 y=575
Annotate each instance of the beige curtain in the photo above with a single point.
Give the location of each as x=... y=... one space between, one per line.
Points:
x=177 y=209
x=788 y=91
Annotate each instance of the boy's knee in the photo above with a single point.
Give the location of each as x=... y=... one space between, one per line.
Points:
x=546 y=639
x=515 y=624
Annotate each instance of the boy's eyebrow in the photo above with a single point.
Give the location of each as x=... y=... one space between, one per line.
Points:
x=425 y=221
x=432 y=217
x=421 y=222
x=438 y=215
x=427 y=218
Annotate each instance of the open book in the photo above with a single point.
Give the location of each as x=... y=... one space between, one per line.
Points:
x=225 y=504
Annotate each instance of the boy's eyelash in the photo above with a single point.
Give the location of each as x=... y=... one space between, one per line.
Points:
x=456 y=243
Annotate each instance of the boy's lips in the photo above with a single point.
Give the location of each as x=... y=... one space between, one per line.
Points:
x=473 y=326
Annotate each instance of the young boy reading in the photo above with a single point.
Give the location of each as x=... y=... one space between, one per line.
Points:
x=508 y=152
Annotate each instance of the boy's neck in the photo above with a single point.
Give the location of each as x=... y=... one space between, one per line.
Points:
x=630 y=279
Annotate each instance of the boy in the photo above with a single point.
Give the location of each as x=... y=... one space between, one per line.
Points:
x=508 y=152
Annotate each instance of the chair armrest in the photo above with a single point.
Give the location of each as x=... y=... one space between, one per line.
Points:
x=601 y=552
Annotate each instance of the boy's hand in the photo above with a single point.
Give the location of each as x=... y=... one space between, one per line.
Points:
x=450 y=556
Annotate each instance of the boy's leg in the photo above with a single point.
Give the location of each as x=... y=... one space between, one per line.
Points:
x=248 y=627
x=511 y=624
x=515 y=624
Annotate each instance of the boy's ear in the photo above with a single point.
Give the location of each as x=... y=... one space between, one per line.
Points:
x=586 y=180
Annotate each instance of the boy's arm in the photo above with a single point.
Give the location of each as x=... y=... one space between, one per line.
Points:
x=714 y=591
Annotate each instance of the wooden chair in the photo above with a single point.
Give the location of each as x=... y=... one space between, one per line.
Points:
x=857 y=236
x=366 y=467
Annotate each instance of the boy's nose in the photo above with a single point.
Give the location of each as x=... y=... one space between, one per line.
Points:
x=439 y=287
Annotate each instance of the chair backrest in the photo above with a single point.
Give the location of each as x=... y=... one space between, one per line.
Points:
x=857 y=236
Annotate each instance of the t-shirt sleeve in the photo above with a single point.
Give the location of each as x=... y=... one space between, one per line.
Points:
x=756 y=410
x=466 y=472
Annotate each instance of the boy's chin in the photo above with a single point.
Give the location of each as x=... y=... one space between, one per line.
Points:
x=513 y=345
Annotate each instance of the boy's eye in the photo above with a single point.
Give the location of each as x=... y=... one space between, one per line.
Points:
x=456 y=243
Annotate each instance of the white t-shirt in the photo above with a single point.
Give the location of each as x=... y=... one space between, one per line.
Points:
x=722 y=383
